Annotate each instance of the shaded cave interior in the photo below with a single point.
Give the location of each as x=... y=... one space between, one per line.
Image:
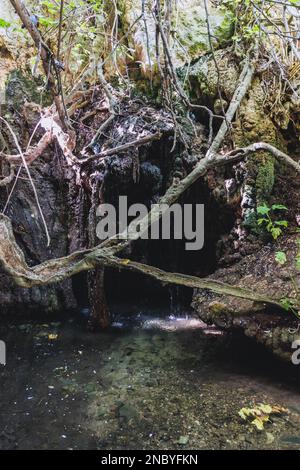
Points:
x=132 y=292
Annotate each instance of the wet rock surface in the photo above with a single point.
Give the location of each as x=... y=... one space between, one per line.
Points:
x=63 y=388
x=259 y=271
x=31 y=236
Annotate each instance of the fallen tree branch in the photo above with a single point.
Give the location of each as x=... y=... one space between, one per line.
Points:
x=239 y=153
x=244 y=83
x=188 y=281
x=13 y=261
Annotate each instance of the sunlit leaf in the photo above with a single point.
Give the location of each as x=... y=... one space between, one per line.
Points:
x=280 y=257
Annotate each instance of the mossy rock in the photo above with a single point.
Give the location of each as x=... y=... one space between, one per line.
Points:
x=205 y=78
x=192 y=30
x=254 y=125
x=21 y=88
x=265 y=178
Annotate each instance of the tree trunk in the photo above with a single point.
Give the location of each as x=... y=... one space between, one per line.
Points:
x=100 y=316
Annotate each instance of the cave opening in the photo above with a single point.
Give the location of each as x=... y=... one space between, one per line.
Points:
x=128 y=290
x=143 y=293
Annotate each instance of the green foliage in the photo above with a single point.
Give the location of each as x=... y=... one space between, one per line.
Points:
x=274 y=227
x=280 y=257
x=246 y=27
x=4 y=24
x=290 y=305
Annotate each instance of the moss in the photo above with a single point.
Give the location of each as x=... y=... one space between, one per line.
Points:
x=220 y=314
x=255 y=125
x=265 y=178
x=21 y=88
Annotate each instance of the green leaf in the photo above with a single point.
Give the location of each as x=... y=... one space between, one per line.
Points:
x=276 y=232
x=279 y=207
x=4 y=23
x=280 y=257
x=261 y=221
x=263 y=210
x=282 y=223
x=287 y=303
x=47 y=22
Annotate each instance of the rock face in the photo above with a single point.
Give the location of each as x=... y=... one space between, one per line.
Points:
x=49 y=180
x=68 y=203
x=30 y=235
x=243 y=258
x=260 y=272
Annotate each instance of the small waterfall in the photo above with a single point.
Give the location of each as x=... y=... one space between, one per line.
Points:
x=175 y=305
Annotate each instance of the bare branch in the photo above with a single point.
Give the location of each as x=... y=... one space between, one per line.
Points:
x=121 y=148
x=112 y=108
x=239 y=153
x=33 y=152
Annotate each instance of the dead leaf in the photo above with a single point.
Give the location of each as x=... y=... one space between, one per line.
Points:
x=261 y=414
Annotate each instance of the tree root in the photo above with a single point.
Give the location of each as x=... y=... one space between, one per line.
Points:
x=56 y=270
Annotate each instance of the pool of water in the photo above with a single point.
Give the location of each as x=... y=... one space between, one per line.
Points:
x=150 y=382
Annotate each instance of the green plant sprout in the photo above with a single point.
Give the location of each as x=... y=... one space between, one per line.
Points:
x=274 y=227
